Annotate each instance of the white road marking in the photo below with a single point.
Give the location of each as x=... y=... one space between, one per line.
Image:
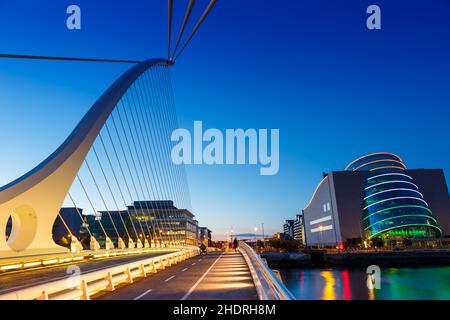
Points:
x=201 y=279
x=184 y=270
x=193 y=264
x=168 y=279
x=144 y=294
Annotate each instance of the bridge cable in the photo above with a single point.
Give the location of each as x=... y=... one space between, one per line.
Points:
x=92 y=206
x=183 y=26
x=110 y=190
x=80 y=215
x=137 y=155
x=103 y=199
x=138 y=121
x=159 y=123
x=127 y=165
x=202 y=18
x=170 y=109
x=169 y=36
x=116 y=179
x=159 y=167
x=52 y=58
x=171 y=128
x=134 y=162
x=161 y=163
x=70 y=235
x=149 y=137
x=164 y=124
x=176 y=125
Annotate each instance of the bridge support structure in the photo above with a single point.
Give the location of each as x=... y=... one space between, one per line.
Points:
x=33 y=201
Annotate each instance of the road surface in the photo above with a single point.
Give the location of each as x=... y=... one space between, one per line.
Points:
x=17 y=280
x=216 y=276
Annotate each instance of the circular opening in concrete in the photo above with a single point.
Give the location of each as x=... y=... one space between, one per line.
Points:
x=22 y=226
x=8 y=228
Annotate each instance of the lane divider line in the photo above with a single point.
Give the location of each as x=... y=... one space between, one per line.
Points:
x=168 y=279
x=144 y=294
x=201 y=278
x=184 y=269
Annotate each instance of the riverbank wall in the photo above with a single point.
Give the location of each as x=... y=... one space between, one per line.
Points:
x=320 y=258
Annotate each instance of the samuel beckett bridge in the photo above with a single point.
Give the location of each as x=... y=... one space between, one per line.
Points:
x=107 y=215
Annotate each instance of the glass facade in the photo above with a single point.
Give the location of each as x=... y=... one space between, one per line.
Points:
x=393 y=206
x=159 y=222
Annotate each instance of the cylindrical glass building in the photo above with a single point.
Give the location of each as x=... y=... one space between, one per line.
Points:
x=393 y=207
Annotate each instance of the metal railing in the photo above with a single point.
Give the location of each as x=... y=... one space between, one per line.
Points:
x=83 y=286
x=268 y=285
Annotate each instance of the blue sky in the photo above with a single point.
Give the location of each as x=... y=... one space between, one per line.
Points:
x=310 y=68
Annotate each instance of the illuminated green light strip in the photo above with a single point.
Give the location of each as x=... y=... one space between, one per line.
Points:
x=397 y=207
x=403 y=226
x=401 y=216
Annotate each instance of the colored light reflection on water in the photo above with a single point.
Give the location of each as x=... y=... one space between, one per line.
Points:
x=430 y=283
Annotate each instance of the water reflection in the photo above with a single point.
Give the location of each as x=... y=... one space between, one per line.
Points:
x=430 y=283
x=328 y=290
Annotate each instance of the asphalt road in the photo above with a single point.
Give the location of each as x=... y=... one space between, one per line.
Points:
x=17 y=280
x=216 y=276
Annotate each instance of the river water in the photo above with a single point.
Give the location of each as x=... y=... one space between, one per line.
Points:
x=428 y=283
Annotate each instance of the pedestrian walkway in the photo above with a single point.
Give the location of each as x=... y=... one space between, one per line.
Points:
x=228 y=279
x=221 y=276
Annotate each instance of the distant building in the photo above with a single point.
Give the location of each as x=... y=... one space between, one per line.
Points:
x=377 y=199
x=72 y=221
x=288 y=228
x=299 y=228
x=281 y=236
x=204 y=236
x=159 y=220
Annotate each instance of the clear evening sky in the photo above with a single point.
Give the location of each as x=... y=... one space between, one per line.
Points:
x=312 y=69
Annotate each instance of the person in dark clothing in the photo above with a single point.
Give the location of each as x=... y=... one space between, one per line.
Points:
x=203 y=249
x=235 y=244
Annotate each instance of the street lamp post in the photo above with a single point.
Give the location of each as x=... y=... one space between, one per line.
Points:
x=262 y=230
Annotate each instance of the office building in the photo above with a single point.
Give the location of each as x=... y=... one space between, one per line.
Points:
x=288 y=228
x=299 y=228
x=204 y=236
x=158 y=222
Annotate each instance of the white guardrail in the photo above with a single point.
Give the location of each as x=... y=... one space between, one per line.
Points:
x=82 y=287
x=268 y=285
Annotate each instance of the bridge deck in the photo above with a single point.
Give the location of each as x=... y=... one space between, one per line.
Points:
x=16 y=280
x=223 y=276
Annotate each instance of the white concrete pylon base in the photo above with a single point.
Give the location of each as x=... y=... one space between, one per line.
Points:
x=121 y=244
x=75 y=245
x=109 y=245
x=146 y=244
x=139 y=244
x=130 y=244
x=94 y=245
